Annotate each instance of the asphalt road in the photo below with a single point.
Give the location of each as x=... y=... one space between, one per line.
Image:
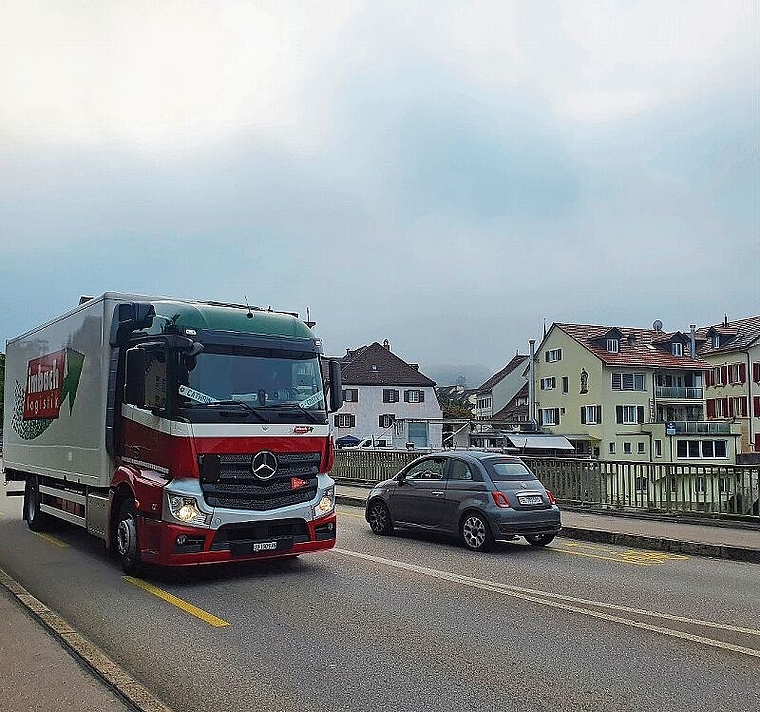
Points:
x=413 y=623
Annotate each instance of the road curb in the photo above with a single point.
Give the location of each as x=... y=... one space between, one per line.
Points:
x=600 y=536
x=123 y=684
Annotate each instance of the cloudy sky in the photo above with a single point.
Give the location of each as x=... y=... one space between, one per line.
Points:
x=447 y=175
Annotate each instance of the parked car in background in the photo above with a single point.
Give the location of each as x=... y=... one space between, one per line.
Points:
x=481 y=497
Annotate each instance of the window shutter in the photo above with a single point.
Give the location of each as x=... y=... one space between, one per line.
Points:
x=710 y=408
x=725 y=407
x=708 y=378
x=546 y=355
x=756 y=372
x=744 y=407
x=422 y=396
x=385 y=395
x=598 y=415
x=541 y=417
x=556 y=416
x=335 y=421
x=352 y=421
x=640 y=413
x=619 y=413
x=380 y=421
x=756 y=402
x=742 y=373
x=724 y=375
x=583 y=415
x=406 y=396
x=729 y=406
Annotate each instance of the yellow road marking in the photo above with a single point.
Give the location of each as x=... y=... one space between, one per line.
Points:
x=178 y=602
x=627 y=556
x=51 y=540
x=349 y=514
x=598 y=556
x=545 y=599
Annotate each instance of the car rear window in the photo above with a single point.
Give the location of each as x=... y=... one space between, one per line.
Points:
x=508 y=471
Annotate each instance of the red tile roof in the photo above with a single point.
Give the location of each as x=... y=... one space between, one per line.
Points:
x=638 y=347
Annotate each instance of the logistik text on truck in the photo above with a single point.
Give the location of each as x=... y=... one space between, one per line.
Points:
x=180 y=432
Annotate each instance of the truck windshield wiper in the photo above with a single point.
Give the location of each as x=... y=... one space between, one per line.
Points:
x=247 y=409
x=311 y=415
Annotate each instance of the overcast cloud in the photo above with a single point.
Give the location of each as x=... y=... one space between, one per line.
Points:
x=447 y=175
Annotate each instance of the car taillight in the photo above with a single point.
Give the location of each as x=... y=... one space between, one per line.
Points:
x=551 y=497
x=501 y=500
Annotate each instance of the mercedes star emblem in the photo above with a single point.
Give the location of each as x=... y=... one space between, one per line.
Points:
x=264 y=465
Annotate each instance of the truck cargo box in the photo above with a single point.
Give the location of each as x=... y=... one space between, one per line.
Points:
x=56 y=383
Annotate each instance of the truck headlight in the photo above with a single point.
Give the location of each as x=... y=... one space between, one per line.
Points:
x=326 y=504
x=186 y=510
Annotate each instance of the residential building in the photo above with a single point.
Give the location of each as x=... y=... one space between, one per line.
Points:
x=621 y=393
x=387 y=399
x=501 y=388
x=732 y=379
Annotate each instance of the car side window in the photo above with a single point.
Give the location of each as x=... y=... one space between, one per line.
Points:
x=432 y=469
x=460 y=470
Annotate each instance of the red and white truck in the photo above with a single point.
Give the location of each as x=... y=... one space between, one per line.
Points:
x=180 y=432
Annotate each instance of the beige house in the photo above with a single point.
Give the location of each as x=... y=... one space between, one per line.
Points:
x=732 y=379
x=624 y=394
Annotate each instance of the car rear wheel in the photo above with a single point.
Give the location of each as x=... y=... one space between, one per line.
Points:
x=540 y=539
x=475 y=532
x=379 y=518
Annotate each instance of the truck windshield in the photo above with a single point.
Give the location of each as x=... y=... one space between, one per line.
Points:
x=260 y=382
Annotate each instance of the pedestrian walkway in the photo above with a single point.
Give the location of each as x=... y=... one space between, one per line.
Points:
x=38 y=673
x=699 y=539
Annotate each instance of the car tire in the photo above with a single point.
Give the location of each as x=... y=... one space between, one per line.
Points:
x=36 y=520
x=540 y=539
x=379 y=518
x=125 y=539
x=475 y=532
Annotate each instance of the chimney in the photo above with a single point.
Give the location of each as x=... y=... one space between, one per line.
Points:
x=693 y=328
x=415 y=366
x=725 y=320
x=387 y=344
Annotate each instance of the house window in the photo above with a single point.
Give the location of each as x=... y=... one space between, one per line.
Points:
x=641 y=484
x=548 y=384
x=386 y=420
x=716 y=341
x=627 y=448
x=658 y=448
x=612 y=448
x=553 y=355
x=699 y=484
x=613 y=345
x=640 y=448
x=565 y=384
x=345 y=420
x=390 y=395
x=701 y=449
x=591 y=414
x=549 y=416
x=629 y=382
x=677 y=349
x=414 y=397
x=351 y=395
x=629 y=414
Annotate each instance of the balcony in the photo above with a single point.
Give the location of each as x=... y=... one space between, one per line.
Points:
x=699 y=427
x=678 y=393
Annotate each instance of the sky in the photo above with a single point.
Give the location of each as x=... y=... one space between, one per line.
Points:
x=450 y=176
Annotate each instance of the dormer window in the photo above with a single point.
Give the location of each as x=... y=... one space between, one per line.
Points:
x=677 y=348
x=613 y=346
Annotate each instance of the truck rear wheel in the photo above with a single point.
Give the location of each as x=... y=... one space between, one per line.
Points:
x=127 y=546
x=36 y=520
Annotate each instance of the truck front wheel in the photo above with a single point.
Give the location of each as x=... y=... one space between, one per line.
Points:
x=36 y=520
x=126 y=539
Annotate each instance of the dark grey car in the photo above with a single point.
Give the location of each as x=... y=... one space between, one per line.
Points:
x=479 y=496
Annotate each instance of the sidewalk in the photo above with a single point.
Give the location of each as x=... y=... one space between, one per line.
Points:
x=698 y=539
x=38 y=674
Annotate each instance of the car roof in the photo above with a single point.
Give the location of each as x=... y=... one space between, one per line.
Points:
x=479 y=455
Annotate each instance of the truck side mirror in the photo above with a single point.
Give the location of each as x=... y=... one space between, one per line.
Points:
x=336 y=386
x=134 y=386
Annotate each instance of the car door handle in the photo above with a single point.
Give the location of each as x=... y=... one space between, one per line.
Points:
x=437 y=493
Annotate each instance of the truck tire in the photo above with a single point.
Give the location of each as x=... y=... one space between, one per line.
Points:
x=36 y=520
x=127 y=546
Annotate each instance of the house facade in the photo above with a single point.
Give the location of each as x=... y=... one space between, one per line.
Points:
x=732 y=379
x=388 y=400
x=629 y=394
x=501 y=388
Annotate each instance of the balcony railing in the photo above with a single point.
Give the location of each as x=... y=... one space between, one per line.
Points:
x=678 y=392
x=700 y=427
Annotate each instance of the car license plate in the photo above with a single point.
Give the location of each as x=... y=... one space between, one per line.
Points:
x=535 y=499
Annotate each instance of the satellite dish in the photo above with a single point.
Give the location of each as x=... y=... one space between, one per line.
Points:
x=657 y=325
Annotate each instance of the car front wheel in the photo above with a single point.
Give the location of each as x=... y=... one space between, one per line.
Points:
x=379 y=518
x=475 y=532
x=540 y=539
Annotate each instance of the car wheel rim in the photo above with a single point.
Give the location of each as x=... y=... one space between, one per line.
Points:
x=474 y=532
x=377 y=518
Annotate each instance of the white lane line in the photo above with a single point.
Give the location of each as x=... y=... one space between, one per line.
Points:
x=546 y=601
